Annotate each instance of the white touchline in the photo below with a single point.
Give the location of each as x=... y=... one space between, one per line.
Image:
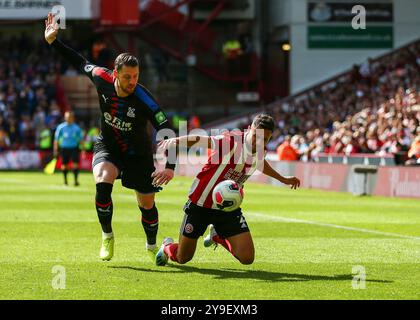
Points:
x=285 y=219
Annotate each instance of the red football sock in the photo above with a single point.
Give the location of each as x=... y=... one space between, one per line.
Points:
x=171 y=250
x=225 y=243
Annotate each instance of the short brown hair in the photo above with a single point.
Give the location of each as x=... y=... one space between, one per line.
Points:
x=264 y=121
x=125 y=59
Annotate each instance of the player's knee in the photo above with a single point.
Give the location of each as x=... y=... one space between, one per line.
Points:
x=183 y=259
x=148 y=205
x=146 y=202
x=104 y=172
x=247 y=260
x=247 y=257
x=103 y=176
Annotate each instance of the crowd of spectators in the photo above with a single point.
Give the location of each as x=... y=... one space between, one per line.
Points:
x=32 y=101
x=374 y=109
x=31 y=98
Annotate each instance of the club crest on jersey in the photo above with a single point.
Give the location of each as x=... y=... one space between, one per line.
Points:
x=189 y=228
x=130 y=112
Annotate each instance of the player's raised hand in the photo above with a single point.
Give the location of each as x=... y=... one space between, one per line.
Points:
x=51 y=28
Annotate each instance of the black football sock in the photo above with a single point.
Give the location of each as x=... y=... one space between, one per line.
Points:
x=65 y=172
x=103 y=202
x=76 y=175
x=150 y=222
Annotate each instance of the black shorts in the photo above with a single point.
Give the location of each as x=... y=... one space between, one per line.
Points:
x=68 y=154
x=135 y=172
x=196 y=220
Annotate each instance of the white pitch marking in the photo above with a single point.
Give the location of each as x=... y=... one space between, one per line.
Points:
x=285 y=219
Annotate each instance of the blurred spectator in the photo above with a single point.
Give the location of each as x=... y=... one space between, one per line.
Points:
x=161 y=61
x=38 y=121
x=45 y=139
x=90 y=137
x=286 y=152
x=71 y=72
x=4 y=139
x=303 y=150
x=26 y=132
x=232 y=51
x=177 y=120
x=194 y=122
x=102 y=55
x=275 y=140
x=414 y=152
x=54 y=117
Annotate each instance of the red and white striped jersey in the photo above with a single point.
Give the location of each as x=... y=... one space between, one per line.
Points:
x=230 y=159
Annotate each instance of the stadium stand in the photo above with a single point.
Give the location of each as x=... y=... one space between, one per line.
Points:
x=31 y=95
x=36 y=87
x=372 y=109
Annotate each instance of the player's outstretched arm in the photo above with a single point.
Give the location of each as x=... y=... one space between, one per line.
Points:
x=50 y=34
x=293 y=182
x=185 y=141
x=169 y=146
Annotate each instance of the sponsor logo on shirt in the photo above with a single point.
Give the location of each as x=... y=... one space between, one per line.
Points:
x=117 y=123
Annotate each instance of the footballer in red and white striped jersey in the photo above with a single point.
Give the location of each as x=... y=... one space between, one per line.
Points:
x=231 y=159
x=235 y=156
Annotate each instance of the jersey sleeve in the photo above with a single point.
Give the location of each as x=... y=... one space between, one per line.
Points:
x=57 y=133
x=154 y=113
x=222 y=143
x=76 y=60
x=156 y=116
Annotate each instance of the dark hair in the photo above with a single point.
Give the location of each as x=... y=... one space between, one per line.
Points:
x=125 y=59
x=264 y=121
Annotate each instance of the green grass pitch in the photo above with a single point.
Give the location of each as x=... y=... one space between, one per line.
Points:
x=308 y=245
